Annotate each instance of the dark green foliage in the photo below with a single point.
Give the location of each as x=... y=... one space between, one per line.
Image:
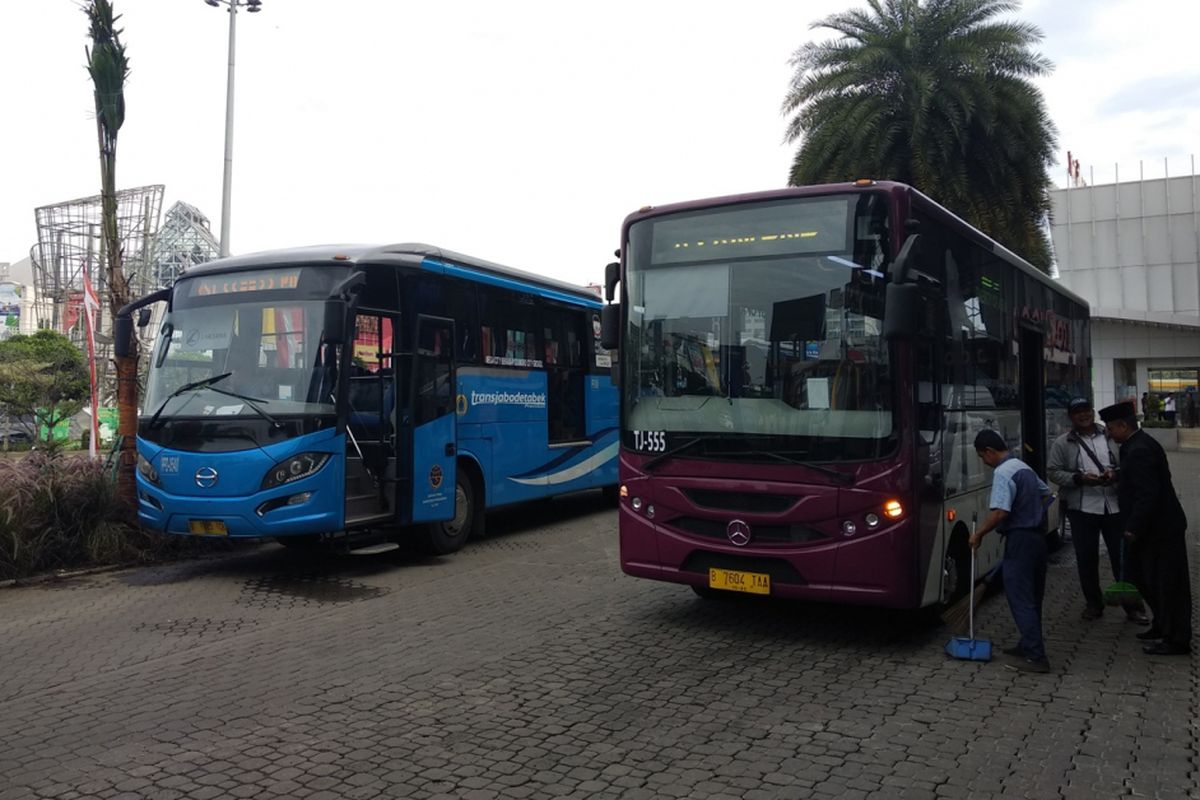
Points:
x=936 y=94
x=43 y=379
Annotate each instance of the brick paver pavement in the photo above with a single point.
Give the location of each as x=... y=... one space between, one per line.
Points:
x=528 y=666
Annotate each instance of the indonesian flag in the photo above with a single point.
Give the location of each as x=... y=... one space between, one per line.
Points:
x=91 y=314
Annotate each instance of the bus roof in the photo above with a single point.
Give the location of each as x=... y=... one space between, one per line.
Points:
x=402 y=254
x=894 y=188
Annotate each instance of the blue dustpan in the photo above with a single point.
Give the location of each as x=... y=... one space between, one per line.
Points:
x=968 y=648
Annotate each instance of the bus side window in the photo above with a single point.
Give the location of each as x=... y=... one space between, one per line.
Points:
x=564 y=361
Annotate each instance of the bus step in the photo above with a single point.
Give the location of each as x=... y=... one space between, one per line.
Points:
x=373 y=549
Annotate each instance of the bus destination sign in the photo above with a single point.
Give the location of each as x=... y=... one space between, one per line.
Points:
x=240 y=282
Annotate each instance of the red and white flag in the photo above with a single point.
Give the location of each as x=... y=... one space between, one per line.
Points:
x=91 y=314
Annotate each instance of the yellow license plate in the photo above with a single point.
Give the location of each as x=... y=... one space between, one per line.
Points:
x=208 y=527
x=734 y=581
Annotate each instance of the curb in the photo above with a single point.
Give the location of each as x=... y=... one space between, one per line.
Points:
x=65 y=574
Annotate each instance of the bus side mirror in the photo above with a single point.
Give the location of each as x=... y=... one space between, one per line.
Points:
x=335 y=321
x=908 y=252
x=123 y=335
x=143 y=318
x=610 y=326
x=903 y=311
x=612 y=274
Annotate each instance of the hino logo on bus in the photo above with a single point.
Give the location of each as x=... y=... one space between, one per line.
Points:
x=206 y=477
x=738 y=533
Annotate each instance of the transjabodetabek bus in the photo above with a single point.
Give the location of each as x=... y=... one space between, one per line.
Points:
x=802 y=374
x=353 y=393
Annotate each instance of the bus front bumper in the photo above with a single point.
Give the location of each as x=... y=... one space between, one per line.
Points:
x=312 y=509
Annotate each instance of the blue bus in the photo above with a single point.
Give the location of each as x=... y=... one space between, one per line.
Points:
x=355 y=395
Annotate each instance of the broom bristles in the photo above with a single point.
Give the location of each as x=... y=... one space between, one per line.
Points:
x=958 y=615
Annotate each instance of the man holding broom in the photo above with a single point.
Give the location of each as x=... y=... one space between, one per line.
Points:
x=1156 y=527
x=1018 y=507
x=1083 y=464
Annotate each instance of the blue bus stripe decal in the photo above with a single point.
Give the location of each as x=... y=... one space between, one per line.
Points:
x=571 y=473
x=565 y=457
x=508 y=283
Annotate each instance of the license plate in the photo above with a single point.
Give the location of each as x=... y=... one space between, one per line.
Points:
x=208 y=527
x=734 y=581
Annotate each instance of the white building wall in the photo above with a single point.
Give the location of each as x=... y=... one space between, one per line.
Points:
x=1132 y=250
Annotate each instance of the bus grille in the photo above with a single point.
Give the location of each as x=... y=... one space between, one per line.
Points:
x=773 y=534
x=749 y=502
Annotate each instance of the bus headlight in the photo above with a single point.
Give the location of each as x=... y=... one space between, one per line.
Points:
x=295 y=468
x=146 y=469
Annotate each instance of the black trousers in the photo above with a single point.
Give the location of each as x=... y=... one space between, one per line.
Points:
x=1168 y=586
x=1086 y=531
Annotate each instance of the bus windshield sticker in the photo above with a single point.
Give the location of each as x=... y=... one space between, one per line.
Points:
x=239 y=282
x=211 y=330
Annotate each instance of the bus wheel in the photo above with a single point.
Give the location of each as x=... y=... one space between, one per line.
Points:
x=443 y=538
x=956 y=570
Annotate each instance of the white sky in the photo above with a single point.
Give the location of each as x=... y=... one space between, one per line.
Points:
x=520 y=132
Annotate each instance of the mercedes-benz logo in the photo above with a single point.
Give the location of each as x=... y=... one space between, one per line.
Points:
x=206 y=477
x=738 y=533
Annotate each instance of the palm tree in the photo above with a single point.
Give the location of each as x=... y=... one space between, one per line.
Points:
x=109 y=67
x=934 y=93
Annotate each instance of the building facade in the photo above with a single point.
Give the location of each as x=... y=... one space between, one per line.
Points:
x=1132 y=250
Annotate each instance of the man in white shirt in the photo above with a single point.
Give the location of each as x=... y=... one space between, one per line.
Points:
x=1084 y=464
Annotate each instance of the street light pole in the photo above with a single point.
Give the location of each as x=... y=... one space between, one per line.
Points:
x=227 y=184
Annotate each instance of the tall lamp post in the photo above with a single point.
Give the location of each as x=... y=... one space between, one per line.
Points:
x=252 y=6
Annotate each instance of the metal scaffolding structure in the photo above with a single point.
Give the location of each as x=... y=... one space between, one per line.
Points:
x=69 y=238
x=183 y=241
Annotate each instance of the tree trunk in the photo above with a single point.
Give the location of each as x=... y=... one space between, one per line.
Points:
x=127 y=420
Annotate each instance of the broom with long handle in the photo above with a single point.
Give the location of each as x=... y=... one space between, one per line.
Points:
x=970 y=648
x=958 y=615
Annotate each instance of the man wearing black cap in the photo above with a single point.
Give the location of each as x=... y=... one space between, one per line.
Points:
x=1018 y=506
x=1156 y=525
x=1083 y=464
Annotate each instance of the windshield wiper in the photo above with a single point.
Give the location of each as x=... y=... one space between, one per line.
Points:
x=207 y=383
x=187 y=387
x=842 y=477
x=678 y=450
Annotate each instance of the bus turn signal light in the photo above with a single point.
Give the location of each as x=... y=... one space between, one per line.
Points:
x=951 y=515
x=893 y=510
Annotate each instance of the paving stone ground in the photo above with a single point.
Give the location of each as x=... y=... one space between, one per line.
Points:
x=528 y=666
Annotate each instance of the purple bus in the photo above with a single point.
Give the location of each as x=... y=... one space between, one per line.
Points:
x=802 y=375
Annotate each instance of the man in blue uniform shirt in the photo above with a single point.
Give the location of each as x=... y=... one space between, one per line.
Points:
x=1018 y=507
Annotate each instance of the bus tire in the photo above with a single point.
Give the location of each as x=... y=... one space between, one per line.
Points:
x=957 y=566
x=444 y=538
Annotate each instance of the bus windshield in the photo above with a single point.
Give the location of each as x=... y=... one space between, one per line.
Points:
x=267 y=340
x=761 y=322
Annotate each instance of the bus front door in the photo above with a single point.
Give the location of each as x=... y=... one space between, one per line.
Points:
x=370 y=407
x=434 y=421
